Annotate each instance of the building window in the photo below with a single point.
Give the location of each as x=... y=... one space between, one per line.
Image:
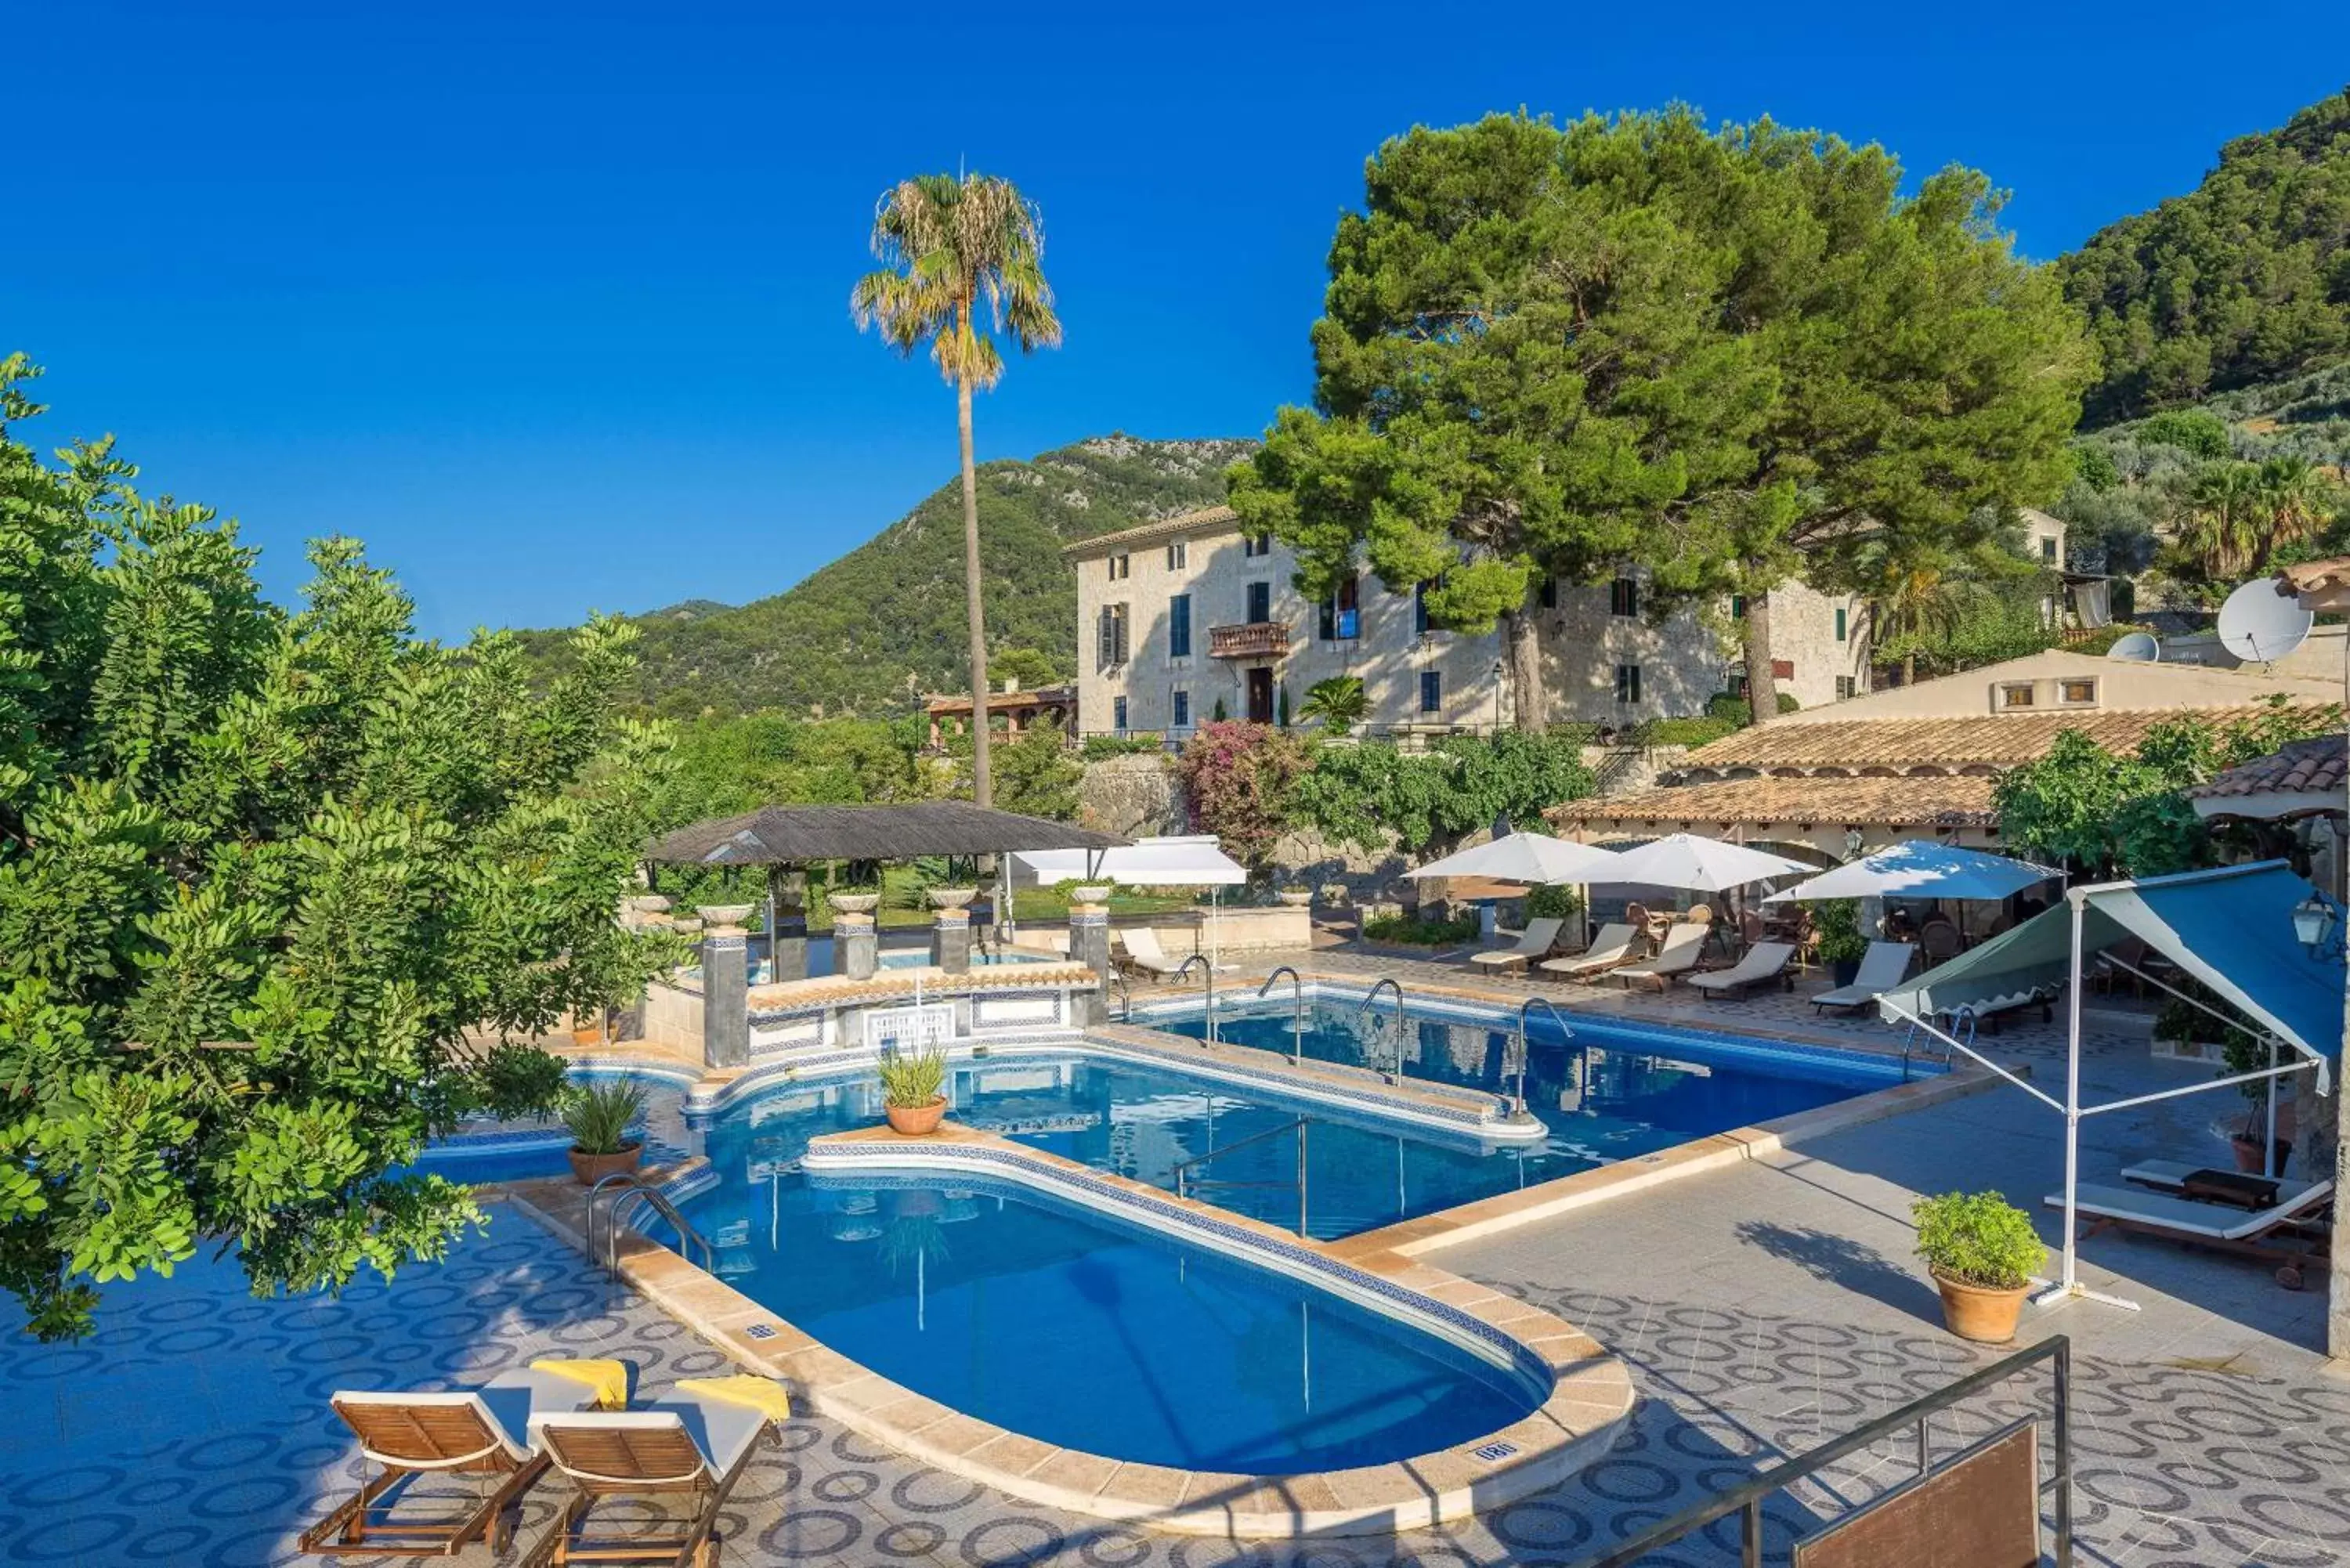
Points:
x=1118 y=713
x=1256 y=545
x=1419 y=609
x=1342 y=616
x=1627 y=683
x=1120 y=567
x=1260 y=603
x=1549 y=595
x=1840 y=623
x=1847 y=686
x=1179 y=627
x=2080 y=692
x=1738 y=606
x=1110 y=637
x=1432 y=692
x=1180 y=707
x=2048 y=548
x=2017 y=695
x=1624 y=596
x=1177 y=555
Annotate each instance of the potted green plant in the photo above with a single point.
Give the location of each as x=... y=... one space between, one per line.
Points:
x=854 y=898
x=599 y=1114
x=1841 y=944
x=913 y=1089
x=1982 y=1251
x=2240 y=1054
x=1296 y=895
x=724 y=914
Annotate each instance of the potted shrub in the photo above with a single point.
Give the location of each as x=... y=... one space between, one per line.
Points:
x=952 y=898
x=1982 y=1251
x=1841 y=944
x=599 y=1114
x=724 y=914
x=1296 y=895
x=912 y=1090
x=853 y=897
x=2240 y=1053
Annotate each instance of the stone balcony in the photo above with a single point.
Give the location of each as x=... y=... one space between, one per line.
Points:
x=1250 y=639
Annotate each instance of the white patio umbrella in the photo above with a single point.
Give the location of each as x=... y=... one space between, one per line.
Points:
x=1526 y=857
x=1921 y=868
x=1698 y=865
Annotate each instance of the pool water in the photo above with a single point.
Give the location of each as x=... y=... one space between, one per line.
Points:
x=1071 y=1327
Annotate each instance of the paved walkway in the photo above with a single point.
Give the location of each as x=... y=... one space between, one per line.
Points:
x=1763 y=1308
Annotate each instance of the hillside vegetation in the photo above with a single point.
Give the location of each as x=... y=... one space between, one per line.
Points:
x=2243 y=280
x=885 y=622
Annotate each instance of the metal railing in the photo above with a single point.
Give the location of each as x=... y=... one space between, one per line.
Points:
x=1747 y=1501
x=1402 y=1024
x=1208 y=973
x=1185 y=1181
x=1125 y=995
x=613 y=1194
x=1296 y=1010
x=1518 y=1100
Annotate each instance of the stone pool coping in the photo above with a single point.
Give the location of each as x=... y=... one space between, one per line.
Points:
x=1590 y=1392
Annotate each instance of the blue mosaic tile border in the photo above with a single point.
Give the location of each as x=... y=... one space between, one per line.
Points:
x=1160 y=1213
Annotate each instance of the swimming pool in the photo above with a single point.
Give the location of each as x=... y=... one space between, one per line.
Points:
x=1073 y=1328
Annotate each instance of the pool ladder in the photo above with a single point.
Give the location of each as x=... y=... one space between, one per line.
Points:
x=1185 y=1181
x=1518 y=1100
x=612 y=1196
x=1402 y=1023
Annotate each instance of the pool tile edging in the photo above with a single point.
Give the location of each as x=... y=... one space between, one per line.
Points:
x=1590 y=1398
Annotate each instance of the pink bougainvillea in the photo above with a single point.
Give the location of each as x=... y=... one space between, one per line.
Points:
x=1236 y=776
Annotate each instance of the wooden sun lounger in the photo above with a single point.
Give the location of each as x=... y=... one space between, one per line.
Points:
x=481 y=1433
x=682 y=1444
x=1143 y=952
x=2174 y=1177
x=2288 y=1233
x=1684 y=945
x=1540 y=937
x=1609 y=950
x=1764 y=963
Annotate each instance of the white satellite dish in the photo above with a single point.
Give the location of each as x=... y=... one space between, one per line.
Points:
x=2136 y=648
x=2260 y=625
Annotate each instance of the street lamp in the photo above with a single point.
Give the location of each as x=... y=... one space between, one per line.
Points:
x=2315 y=922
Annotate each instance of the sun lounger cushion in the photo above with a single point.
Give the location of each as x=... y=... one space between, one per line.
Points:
x=1612 y=946
x=1763 y=961
x=721 y=1430
x=1539 y=938
x=2187 y=1218
x=1881 y=969
x=1683 y=944
x=2173 y=1174
x=1142 y=947
x=506 y=1406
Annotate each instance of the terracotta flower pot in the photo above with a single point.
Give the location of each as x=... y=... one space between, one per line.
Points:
x=915 y=1121
x=1978 y=1312
x=588 y=1169
x=2252 y=1160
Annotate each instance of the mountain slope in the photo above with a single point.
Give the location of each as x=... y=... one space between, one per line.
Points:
x=2245 y=279
x=885 y=622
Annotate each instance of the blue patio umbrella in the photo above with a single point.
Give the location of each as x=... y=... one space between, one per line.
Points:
x=1920 y=869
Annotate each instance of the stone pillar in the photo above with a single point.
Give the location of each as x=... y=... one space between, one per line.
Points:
x=856 y=946
x=1089 y=937
x=950 y=941
x=725 y=1017
x=788 y=943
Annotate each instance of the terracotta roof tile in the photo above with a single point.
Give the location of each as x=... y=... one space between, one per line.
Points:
x=1991 y=740
x=2313 y=766
x=1938 y=802
x=1207 y=518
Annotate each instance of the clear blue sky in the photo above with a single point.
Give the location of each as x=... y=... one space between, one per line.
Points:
x=547 y=301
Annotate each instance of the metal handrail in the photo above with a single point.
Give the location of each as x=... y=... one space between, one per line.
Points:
x=1518 y=1100
x=1125 y=991
x=620 y=1188
x=1184 y=1181
x=1297 y=1011
x=1208 y=973
x=1402 y=1020
x=1747 y=1498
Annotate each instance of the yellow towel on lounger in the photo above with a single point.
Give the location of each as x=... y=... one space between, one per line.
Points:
x=764 y=1395
x=608 y=1378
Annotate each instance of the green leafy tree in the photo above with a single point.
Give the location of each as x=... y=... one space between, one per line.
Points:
x=961 y=260
x=1379 y=799
x=1040 y=774
x=276 y=891
x=1729 y=355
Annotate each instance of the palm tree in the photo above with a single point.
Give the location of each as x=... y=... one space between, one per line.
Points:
x=2295 y=498
x=1338 y=701
x=2223 y=519
x=948 y=242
